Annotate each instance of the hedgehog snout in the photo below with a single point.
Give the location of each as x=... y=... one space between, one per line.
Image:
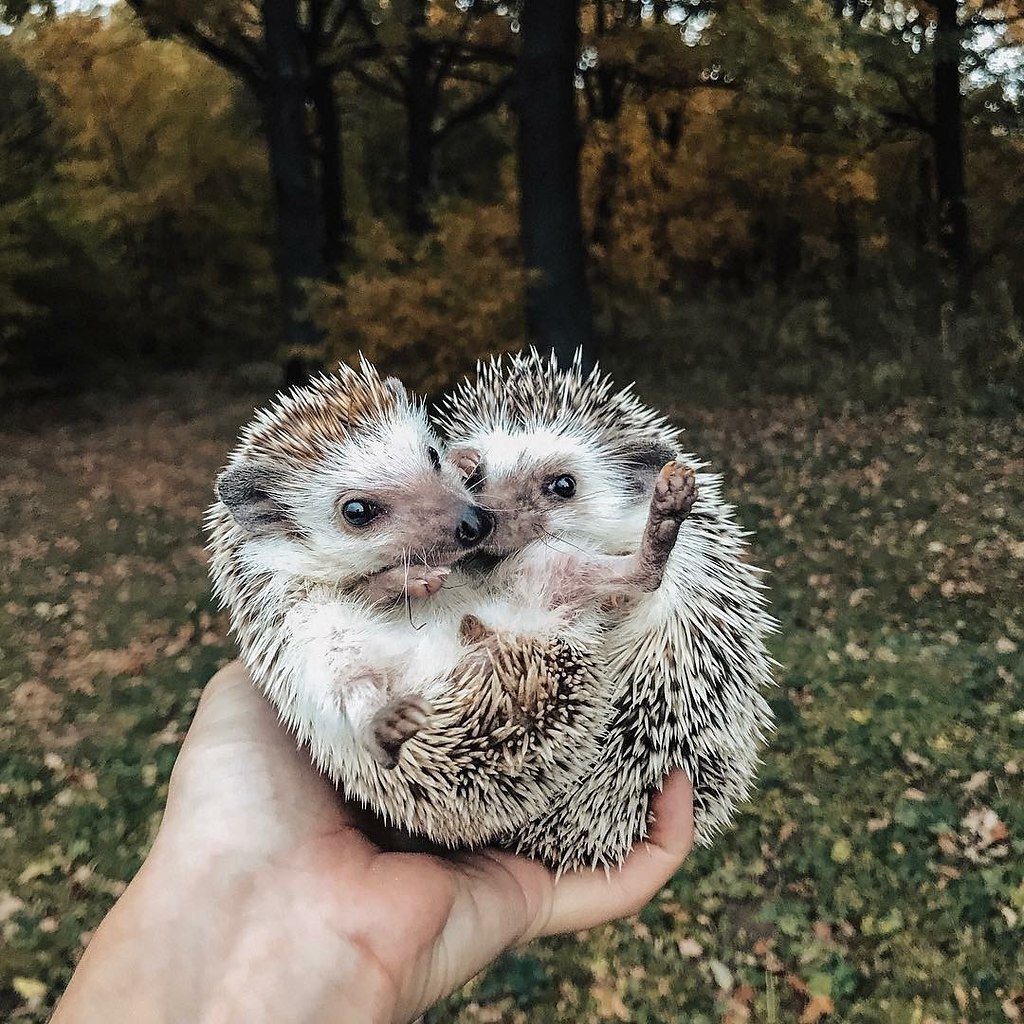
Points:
x=476 y=524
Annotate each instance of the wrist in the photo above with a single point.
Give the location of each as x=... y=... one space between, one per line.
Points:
x=217 y=946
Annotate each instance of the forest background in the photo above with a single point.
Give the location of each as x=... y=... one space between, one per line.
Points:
x=771 y=197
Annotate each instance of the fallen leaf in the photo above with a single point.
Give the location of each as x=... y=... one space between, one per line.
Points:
x=985 y=824
x=609 y=1002
x=9 y=905
x=816 y=1008
x=856 y=652
x=841 y=851
x=722 y=975
x=31 y=990
x=737 y=1010
x=796 y=983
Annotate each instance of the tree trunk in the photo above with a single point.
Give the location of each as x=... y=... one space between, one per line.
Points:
x=332 y=169
x=847 y=238
x=558 y=301
x=419 y=178
x=924 y=217
x=954 y=233
x=300 y=225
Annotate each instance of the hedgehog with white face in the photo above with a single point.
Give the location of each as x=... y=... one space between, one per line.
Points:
x=335 y=509
x=564 y=455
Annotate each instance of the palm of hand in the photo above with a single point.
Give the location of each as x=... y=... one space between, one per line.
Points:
x=299 y=890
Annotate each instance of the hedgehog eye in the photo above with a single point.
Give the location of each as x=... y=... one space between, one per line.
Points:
x=358 y=512
x=435 y=459
x=563 y=486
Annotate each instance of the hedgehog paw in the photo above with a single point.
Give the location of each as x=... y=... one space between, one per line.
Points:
x=674 y=494
x=473 y=631
x=394 y=725
x=423 y=581
x=675 y=491
x=466 y=461
x=618 y=603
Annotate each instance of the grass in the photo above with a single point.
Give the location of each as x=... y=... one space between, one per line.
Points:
x=877 y=876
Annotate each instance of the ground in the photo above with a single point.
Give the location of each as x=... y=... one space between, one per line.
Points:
x=876 y=876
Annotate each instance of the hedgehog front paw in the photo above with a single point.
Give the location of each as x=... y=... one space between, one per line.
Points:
x=675 y=491
x=424 y=581
x=619 y=603
x=394 y=725
x=392 y=585
x=674 y=494
x=466 y=461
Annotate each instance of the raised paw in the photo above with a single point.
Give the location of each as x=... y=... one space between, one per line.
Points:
x=674 y=494
x=424 y=581
x=394 y=724
x=466 y=461
x=675 y=491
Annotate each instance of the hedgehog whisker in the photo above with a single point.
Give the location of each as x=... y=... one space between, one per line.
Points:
x=563 y=540
x=407 y=557
x=497 y=508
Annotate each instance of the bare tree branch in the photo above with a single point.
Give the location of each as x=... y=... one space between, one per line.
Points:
x=384 y=88
x=246 y=61
x=484 y=104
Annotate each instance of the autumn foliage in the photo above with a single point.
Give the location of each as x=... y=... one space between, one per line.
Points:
x=761 y=193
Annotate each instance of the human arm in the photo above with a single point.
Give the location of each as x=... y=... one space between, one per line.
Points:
x=263 y=900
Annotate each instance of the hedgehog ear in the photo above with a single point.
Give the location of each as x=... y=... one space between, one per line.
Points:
x=642 y=462
x=396 y=387
x=248 y=491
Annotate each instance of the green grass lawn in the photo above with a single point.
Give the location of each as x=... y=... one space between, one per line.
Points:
x=877 y=876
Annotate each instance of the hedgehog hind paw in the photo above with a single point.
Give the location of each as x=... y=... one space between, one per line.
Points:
x=393 y=726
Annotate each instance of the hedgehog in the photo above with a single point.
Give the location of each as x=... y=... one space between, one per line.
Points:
x=574 y=456
x=336 y=509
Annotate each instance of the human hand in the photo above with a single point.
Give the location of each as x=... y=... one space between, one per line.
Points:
x=263 y=899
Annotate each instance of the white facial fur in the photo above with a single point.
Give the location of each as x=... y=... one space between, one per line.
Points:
x=386 y=462
x=607 y=511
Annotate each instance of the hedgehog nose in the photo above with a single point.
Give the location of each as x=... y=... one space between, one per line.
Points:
x=476 y=523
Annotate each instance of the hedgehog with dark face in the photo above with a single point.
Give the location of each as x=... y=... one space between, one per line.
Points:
x=336 y=509
x=565 y=455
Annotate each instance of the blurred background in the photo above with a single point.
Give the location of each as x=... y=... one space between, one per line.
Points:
x=771 y=197
x=798 y=224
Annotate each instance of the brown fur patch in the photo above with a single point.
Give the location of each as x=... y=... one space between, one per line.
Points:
x=303 y=425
